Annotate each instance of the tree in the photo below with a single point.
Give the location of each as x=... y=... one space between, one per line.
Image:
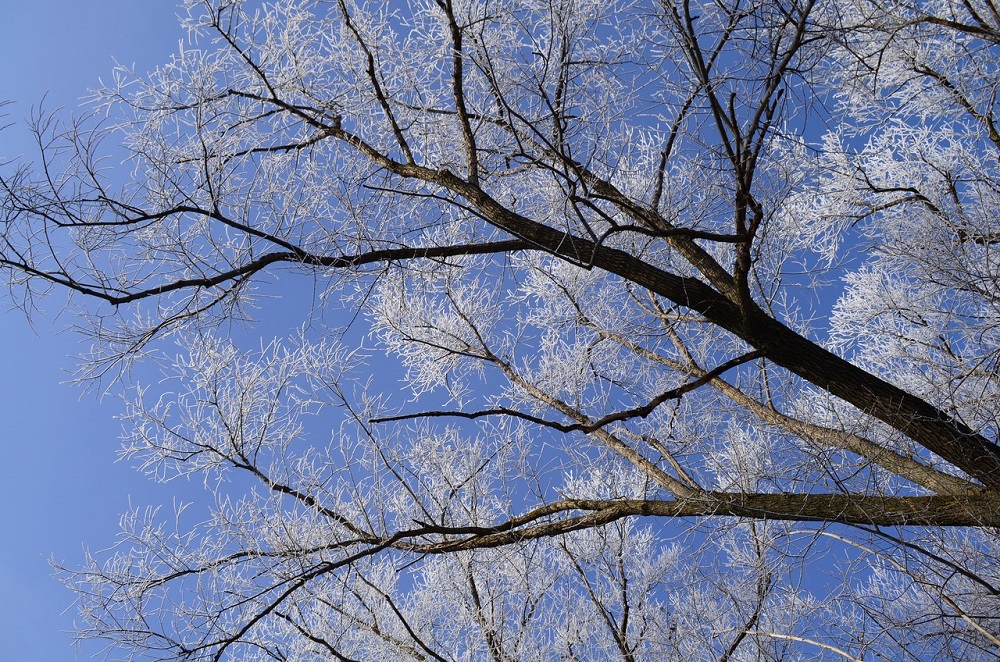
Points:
x=604 y=241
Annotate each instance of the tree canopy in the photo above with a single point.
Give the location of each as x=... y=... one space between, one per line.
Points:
x=636 y=329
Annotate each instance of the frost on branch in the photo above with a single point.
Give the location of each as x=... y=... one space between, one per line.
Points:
x=543 y=330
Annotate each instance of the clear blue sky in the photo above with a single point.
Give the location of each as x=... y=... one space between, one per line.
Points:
x=59 y=485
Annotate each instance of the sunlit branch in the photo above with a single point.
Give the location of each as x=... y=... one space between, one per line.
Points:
x=806 y=640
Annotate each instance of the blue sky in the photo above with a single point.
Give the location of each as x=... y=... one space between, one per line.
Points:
x=60 y=487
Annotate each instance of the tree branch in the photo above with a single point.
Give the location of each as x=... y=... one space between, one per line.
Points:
x=636 y=412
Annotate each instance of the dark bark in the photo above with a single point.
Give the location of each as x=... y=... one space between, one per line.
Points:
x=937 y=511
x=920 y=421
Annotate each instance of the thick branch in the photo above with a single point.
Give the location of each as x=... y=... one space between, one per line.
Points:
x=901 y=465
x=928 y=426
x=939 y=511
